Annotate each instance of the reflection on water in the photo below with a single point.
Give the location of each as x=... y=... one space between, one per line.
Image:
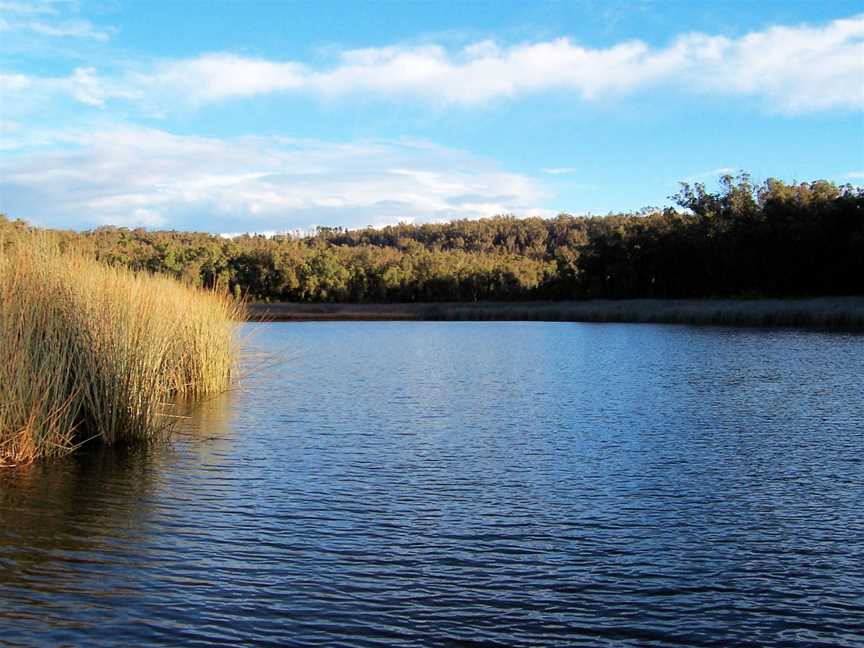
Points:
x=432 y=483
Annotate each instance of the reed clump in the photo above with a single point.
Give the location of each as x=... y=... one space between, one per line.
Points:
x=90 y=351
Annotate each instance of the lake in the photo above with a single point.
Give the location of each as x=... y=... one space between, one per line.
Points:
x=489 y=483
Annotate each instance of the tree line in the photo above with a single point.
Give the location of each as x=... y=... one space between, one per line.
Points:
x=771 y=239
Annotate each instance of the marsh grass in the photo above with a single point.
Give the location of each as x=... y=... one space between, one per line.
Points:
x=89 y=351
x=840 y=313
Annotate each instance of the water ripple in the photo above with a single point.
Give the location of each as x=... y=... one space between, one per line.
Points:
x=479 y=484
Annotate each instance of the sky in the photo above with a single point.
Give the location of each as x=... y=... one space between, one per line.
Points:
x=271 y=116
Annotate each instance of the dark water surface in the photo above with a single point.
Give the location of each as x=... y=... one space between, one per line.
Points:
x=475 y=483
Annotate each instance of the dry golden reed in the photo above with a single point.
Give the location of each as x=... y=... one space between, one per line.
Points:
x=89 y=351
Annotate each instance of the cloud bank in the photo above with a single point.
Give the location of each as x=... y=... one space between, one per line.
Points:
x=791 y=69
x=147 y=177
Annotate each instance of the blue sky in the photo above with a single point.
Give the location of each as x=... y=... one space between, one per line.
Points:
x=274 y=116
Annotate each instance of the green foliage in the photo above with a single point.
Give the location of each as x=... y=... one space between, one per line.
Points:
x=742 y=240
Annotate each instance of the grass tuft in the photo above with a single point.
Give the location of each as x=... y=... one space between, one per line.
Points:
x=89 y=351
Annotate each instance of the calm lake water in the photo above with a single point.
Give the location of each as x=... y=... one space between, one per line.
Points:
x=475 y=483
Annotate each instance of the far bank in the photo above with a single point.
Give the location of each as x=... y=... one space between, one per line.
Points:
x=845 y=313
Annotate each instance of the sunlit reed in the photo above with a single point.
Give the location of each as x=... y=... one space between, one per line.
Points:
x=92 y=352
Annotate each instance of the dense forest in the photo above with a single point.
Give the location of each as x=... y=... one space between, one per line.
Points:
x=772 y=239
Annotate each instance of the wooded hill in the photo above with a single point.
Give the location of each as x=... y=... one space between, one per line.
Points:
x=772 y=239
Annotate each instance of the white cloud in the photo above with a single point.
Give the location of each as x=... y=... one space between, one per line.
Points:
x=67 y=29
x=34 y=25
x=77 y=28
x=795 y=69
x=213 y=77
x=854 y=175
x=25 y=95
x=559 y=170
x=792 y=69
x=787 y=68
x=477 y=74
x=27 y=8
x=10 y=83
x=136 y=176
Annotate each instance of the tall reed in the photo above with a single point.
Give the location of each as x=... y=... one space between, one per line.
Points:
x=89 y=351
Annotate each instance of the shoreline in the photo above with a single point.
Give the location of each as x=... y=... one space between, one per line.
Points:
x=844 y=313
